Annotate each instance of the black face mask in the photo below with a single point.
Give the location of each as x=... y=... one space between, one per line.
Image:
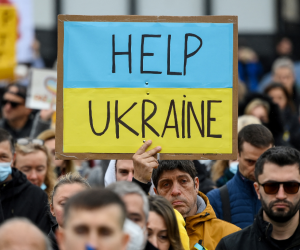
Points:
x=57 y=170
x=280 y=216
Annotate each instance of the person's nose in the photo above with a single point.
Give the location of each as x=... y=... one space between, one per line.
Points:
x=130 y=176
x=7 y=106
x=281 y=195
x=32 y=175
x=175 y=190
x=153 y=240
x=92 y=241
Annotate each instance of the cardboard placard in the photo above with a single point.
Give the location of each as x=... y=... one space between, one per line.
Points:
x=8 y=38
x=42 y=91
x=126 y=79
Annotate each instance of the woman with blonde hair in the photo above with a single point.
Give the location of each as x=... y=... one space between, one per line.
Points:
x=163 y=231
x=66 y=186
x=62 y=167
x=34 y=160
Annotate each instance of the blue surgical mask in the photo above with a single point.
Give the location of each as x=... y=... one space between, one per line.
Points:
x=43 y=186
x=233 y=167
x=5 y=170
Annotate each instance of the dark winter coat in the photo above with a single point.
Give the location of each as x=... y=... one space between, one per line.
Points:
x=20 y=198
x=52 y=237
x=244 y=204
x=32 y=128
x=256 y=236
x=275 y=124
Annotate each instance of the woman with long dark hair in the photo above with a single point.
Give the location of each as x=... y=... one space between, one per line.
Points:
x=163 y=231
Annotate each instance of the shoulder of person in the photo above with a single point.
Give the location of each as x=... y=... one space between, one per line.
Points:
x=239 y=239
x=226 y=227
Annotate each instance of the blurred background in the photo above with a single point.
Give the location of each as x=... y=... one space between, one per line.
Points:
x=261 y=23
x=268 y=66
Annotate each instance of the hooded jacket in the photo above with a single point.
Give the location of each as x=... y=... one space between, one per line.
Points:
x=257 y=236
x=20 y=198
x=204 y=227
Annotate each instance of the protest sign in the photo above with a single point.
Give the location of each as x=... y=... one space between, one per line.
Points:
x=126 y=79
x=42 y=91
x=8 y=38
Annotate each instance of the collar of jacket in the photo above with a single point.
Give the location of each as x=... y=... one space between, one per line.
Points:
x=243 y=181
x=15 y=186
x=207 y=214
x=263 y=230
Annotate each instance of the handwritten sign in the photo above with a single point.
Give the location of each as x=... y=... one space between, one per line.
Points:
x=42 y=90
x=168 y=79
x=8 y=37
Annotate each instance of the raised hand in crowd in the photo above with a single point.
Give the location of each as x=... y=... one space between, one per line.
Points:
x=144 y=162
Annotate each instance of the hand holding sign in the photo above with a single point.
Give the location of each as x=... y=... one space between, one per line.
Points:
x=144 y=162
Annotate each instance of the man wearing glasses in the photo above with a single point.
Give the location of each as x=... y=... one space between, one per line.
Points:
x=19 y=120
x=276 y=226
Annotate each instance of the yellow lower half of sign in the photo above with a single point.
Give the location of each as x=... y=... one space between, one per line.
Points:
x=119 y=120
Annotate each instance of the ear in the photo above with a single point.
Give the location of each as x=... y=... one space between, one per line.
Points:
x=126 y=239
x=52 y=210
x=196 y=180
x=60 y=237
x=155 y=190
x=13 y=163
x=256 y=187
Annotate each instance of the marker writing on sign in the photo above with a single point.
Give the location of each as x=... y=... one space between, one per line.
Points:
x=145 y=121
x=145 y=54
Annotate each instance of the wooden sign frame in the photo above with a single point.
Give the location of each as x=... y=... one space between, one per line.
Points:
x=59 y=154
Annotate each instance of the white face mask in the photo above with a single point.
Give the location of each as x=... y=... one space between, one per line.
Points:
x=5 y=170
x=137 y=235
x=233 y=167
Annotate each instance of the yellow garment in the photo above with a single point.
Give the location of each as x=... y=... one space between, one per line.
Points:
x=185 y=241
x=207 y=228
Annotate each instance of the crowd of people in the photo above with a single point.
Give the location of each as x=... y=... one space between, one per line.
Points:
x=146 y=204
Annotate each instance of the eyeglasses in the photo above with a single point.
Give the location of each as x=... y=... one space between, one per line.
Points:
x=26 y=141
x=12 y=104
x=290 y=187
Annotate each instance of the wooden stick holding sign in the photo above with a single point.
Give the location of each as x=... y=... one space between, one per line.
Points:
x=123 y=80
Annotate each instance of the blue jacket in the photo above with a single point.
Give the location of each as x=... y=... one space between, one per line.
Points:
x=244 y=204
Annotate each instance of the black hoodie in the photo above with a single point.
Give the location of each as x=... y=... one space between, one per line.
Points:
x=20 y=198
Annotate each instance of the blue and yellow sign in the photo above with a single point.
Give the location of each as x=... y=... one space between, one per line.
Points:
x=126 y=82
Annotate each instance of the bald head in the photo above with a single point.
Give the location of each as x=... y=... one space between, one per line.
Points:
x=21 y=234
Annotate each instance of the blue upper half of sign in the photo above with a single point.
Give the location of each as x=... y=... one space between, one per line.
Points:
x=165 y=55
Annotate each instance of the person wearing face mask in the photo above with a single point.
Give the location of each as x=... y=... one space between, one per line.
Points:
x=19 y=198
x=163 y=231
x=33 y=160
x=137 y=206
x=223 y=171
x=66 y=186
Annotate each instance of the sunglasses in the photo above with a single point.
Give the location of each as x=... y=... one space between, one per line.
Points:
x=12 y=104
x=26 y=141
x=290 y=187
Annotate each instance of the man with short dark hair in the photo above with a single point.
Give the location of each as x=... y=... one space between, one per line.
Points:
x=277 y=173
x=119 y=170
x=177 y=181
x=94 y=219
x=19 y=120
x=19 y=198
x=237 y=202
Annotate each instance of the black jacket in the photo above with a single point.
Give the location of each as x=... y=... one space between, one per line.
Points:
x=32 y=128
x=52 y=237
x=20 y=198
x=257 y=236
